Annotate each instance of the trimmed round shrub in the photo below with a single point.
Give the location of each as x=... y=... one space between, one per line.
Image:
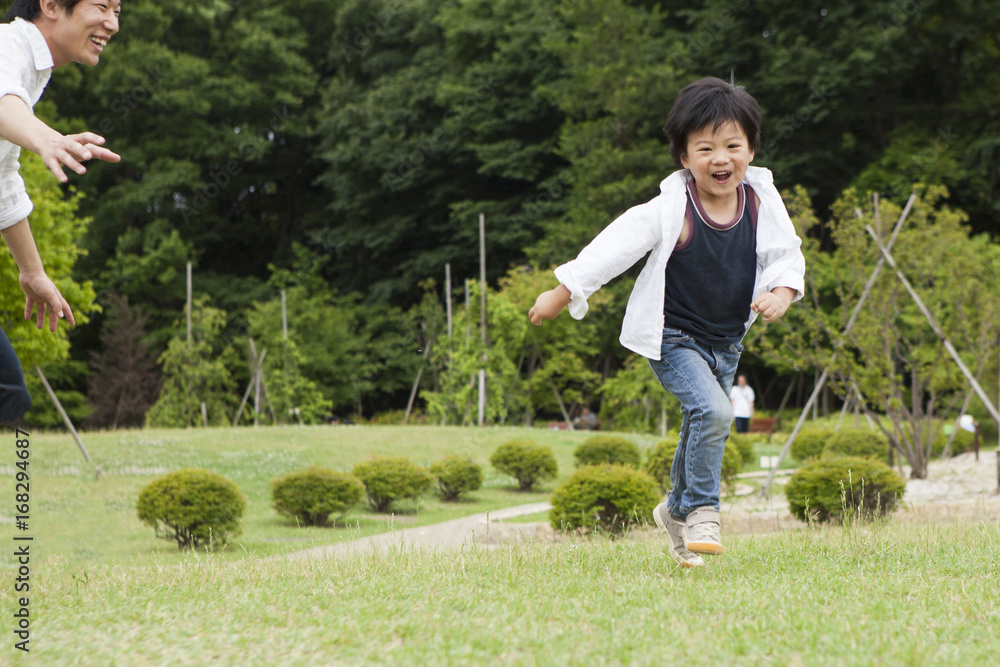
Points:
x=196 y=505
x=389 y=479
x=809 y=443
x=961 y=444
x=731 y=464
x=609 y=497
x=611 y=449
x=826 y=488
x=310 y=496
x=456 y=476
x=744 y=443
x=659 y=461
x=526 y=461
x=868 y=444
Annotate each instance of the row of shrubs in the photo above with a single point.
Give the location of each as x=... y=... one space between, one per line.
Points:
x=816 y=442
x=612 y=489
x=195 y=505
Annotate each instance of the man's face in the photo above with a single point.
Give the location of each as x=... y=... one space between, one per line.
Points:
x=742 y=381
x=80 y=36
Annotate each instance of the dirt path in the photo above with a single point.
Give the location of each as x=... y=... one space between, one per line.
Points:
x=450 y=534
x=958 y=490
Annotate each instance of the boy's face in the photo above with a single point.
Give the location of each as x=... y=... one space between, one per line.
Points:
x=718 y=160
x=80 y=36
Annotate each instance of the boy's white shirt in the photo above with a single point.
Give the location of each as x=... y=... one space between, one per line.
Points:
x=656 y=226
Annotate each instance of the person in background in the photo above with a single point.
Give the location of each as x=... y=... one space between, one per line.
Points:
x=741 y=396
x=586 y=421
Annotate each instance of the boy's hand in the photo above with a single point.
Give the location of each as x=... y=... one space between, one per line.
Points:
x=72 y=149
x=772 y=305
x=40 y=291
x=549 y=304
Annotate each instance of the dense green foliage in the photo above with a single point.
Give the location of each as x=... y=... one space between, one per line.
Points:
x=456 y=476
x=835 y=488
x=611 y=449
x=343 y=152
x=809 y=443
x=732 y=461
x=526 y=461
x=744 y=444
x=608 y=497
x=391 y=479
x=197 y=505
x=850 y=442
x=310 y=496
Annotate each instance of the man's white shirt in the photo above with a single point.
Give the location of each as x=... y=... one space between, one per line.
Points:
x=742 y=398
x=25 y=67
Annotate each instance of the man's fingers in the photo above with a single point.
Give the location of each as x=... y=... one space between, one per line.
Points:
x=68 y=313
x=88 y=138
x=67 y=159
x=56 y=168
x=40 y=314
x=29 y=303
x=99 y=153
x=53 y=319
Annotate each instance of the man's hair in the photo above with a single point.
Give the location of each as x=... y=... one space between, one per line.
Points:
x=30 y=9
x=711 y=101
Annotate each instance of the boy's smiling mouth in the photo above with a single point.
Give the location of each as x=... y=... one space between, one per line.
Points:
x=721 y=177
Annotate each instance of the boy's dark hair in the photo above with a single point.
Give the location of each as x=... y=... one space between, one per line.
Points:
x=30 y=9
x=711 y=101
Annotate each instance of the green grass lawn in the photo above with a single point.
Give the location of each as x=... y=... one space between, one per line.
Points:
x=889 y=595
x=105 y=591
x=92 y=522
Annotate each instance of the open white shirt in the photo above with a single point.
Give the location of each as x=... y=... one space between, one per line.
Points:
x=655 y=226
x=25 y=67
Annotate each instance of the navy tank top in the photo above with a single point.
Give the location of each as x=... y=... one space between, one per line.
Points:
x=710 y=277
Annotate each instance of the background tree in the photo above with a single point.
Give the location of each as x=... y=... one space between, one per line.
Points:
x=124 y=380
x=892 y=357
x=194 y=372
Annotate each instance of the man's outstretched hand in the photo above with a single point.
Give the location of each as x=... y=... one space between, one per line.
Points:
x=72 y=149
x=44 y=297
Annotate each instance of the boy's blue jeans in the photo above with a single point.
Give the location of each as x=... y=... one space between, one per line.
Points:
x=700 y=377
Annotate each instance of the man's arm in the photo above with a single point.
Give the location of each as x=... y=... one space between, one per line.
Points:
x=19 y=125
x=39 y=290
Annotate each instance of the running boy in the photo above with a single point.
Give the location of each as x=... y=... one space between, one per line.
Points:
x=43 y=35
x=722 y=251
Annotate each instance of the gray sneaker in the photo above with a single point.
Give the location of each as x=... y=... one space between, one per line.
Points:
x=701 y=532
x=675 y=530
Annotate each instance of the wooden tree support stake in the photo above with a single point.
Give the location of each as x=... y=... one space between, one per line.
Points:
x=66 y=419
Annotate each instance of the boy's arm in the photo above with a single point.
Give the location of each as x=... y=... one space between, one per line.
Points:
x=549 y=304
x=19 y=125
x=773 y=305
x=39 y=290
